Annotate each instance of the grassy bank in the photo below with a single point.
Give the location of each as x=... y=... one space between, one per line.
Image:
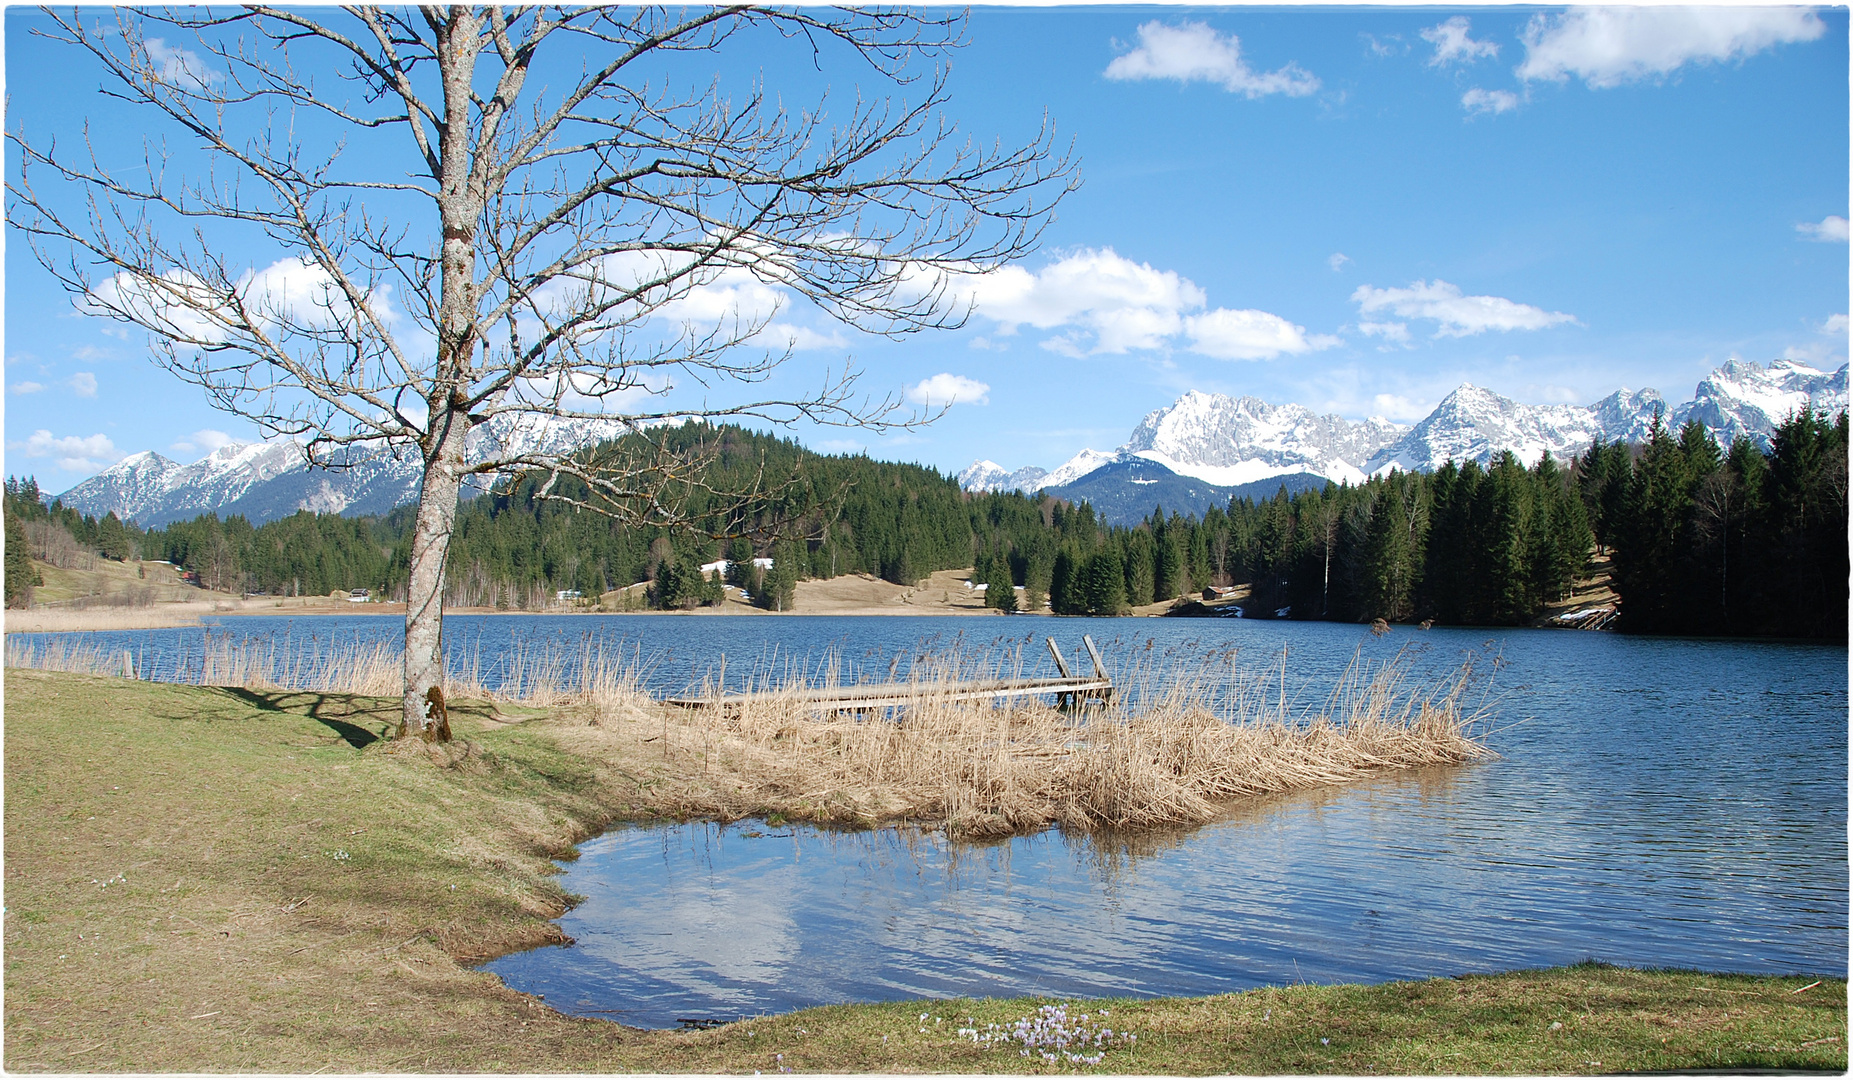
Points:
x=217 y=879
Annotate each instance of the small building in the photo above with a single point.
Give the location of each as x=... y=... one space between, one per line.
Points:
x=569 y=594
x=1219 y=592
x=359 y=596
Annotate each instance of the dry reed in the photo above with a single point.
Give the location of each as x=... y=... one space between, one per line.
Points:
x=601 y=679
x=1170 y=751
x=64 y=620
x=1176 y=754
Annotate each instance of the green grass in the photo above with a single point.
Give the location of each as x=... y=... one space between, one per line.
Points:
x=222 y=880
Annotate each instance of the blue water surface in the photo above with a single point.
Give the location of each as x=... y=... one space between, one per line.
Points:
x=1658 y=802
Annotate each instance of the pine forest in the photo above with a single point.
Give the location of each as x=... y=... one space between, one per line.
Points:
x=1702 y=539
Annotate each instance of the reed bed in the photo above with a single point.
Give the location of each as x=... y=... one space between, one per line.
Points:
x=60 y=620
x=1175 y=748
x=599 y=678
x=1177 y=753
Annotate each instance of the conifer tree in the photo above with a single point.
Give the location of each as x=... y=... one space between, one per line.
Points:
x=1103 y=582
x=999 y=591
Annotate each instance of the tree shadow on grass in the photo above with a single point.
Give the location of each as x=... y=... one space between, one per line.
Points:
x=327 y=709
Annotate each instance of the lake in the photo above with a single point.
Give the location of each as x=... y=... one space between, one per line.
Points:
x=1656 y=802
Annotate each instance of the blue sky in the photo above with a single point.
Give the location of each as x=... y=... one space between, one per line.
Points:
x=1357 y=210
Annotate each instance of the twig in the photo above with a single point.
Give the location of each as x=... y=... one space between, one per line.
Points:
x=1830 y=1038
x=1810 y=986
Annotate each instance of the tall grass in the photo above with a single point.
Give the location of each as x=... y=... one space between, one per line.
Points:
x=1174 y=747
x=1175 y=752
x=602 y=678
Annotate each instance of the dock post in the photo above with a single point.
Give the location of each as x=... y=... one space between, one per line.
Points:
x=1062 y=700
x=1100 y=669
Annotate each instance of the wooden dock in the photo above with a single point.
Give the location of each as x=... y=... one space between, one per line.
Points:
x=1068 y=689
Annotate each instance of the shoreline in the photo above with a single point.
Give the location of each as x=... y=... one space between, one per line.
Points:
x=323 y=909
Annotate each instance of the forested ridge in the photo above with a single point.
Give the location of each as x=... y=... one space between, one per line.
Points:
x=1704 y=539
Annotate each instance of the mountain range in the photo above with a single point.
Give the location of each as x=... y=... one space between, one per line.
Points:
x=1245 y=445
x=268 y=480
x=1194 y=453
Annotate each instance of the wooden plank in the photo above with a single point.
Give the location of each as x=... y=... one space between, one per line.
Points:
x=1061 y=665
x=884 y=695
x=1100 y=669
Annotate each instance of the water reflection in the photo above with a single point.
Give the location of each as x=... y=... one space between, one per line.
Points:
x=1655 y=802
x=1399 y=877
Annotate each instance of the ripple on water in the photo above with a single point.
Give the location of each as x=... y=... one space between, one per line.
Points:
x=1656 y=802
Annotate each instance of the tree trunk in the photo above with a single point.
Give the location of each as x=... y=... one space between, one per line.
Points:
x=449 y=422
x=424 y=607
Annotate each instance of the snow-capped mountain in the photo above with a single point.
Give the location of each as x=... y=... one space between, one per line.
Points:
x=1229 y=441
x=1746 y=399
x=1233 y=441
x=261 y=481
x=1473 y=424
x=990 y=476
x=1076 y=467
x=268 y=480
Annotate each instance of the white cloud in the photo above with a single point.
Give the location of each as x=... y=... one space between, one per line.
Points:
x=1830 y=229
x=71 y=452
x=177 y=303
x=1401 y=409
x=1607 y=46
x=1195 y=52
x=89 y=352
x=1250 y=335
x=1489 y=101
x=290 y=296
x=1458 y=315
x=83 y=384
x=299 y=293
x=947 y=389
x=1337 y=260
x=1111 y=303
x=179 y=67
x=1389 y=331
x=798 y=338
x=726 y=304
x=1097 y=302
x=28 y=387
x=1835 y=324
x=205 y=441
x=1453 y=44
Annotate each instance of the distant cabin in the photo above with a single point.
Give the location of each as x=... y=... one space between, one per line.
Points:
x=721 y=565
x=359 y=596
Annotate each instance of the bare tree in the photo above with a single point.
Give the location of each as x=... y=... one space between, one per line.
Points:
x=484 y=218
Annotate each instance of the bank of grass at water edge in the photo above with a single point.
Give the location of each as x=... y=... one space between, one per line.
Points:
x=203 y=878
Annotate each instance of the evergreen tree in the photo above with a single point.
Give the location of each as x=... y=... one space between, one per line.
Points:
x=999 y=591
x=1139 y=561
x=779 y=589
x=21 y=575
x=1103 y=582
x=1389 y=557
x=1066 y=595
